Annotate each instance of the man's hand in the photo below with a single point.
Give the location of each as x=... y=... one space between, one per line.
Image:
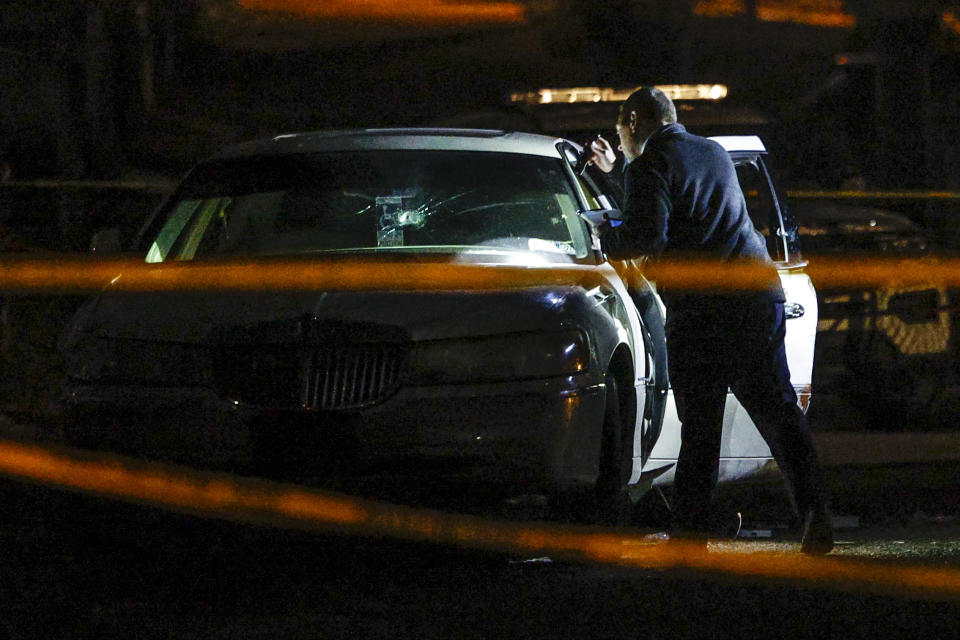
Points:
x=604 y=157
x=596 y=220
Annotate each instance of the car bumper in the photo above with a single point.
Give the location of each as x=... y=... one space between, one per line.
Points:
x=531 y=435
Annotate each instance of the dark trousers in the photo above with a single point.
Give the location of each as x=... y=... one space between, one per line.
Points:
x=716 y=342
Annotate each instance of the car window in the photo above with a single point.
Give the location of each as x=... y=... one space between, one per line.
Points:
x=605 y=189
x=590 y=194
x=761 y=204
x=368 y=200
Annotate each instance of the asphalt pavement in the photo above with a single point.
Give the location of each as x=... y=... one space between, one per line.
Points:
x=79 y=566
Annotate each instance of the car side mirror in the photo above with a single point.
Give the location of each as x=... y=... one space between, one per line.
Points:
x=106 y=242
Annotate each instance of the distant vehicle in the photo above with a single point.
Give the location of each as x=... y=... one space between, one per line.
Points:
x=831 y=228
x=537 y=390
x=888 y=350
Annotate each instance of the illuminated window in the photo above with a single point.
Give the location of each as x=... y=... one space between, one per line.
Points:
x=952 y=20
x=719 y=8
x=819 y=13
x=571 y=95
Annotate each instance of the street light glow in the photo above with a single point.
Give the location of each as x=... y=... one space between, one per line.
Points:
x=952 y=20
x=818 y=13
x=712 y=92
x=419 y=11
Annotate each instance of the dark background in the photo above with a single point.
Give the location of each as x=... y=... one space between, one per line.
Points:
x=116 y=88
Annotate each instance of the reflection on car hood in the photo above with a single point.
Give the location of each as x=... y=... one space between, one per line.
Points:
x=196 y=317
x=193 y=316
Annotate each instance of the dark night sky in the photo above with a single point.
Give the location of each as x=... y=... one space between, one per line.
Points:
x=219 y=72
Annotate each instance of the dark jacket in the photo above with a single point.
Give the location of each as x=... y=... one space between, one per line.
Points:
x=683 y=199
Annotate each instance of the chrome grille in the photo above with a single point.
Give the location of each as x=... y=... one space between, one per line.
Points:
x=341 y=376
x=352 y=375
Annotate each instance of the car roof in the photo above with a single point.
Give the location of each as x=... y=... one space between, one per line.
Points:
x=734 y=144
x=438 y=139
x=435 y=139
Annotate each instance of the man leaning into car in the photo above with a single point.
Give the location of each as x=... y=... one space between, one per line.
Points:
x=683 y=200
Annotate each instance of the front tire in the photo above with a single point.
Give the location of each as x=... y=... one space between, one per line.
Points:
x=611 y=500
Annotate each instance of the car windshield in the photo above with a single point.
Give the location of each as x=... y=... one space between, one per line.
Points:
x=371 y=200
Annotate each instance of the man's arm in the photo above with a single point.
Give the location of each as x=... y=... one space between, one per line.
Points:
x=646 y=213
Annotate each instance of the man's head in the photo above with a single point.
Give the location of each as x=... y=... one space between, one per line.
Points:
x=643 y=112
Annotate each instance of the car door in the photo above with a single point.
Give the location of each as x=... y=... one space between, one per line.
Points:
x=605 y=191
x=772 y=218
x=742 y=448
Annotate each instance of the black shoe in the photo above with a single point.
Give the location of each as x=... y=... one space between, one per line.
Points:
x=817 y=533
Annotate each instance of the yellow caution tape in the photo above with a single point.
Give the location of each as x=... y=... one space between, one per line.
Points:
x=24 y=274
x=158 y=186
x=252 y=500
x=904 y=194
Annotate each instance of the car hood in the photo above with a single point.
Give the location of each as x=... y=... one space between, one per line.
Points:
x=201 y=316
x=825 y=217
x=829 y=227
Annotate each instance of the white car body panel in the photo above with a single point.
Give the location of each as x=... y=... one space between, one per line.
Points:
x=740 y=143
x=802 y=331
x=742 y=449
x=639 y=355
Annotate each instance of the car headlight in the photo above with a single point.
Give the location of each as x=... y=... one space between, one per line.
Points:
x=127 y=362
x=502 y=357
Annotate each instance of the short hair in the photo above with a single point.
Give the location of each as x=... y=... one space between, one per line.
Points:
x=651 y=105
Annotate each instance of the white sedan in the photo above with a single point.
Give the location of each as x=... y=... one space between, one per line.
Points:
x=540 y=387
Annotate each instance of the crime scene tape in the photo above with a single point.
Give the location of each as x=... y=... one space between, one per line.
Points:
x=905 y=194
x=166 y=186
x=60 y=275
x=155 y=186
x=269 y=503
